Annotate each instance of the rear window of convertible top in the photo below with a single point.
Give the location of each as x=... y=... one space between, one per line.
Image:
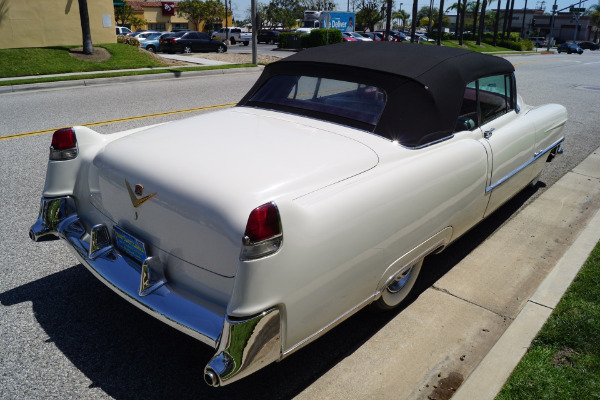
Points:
x=348 y=100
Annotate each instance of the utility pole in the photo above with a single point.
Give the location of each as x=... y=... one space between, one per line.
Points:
x=226 y=27
x=550 y=38
x=255 y=23
x=523 y=22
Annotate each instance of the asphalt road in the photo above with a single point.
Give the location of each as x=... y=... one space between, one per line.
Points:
x=64 y=335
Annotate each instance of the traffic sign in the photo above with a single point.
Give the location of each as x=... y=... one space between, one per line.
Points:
x=575 y=9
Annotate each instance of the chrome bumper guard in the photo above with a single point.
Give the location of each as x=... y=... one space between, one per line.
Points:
x=243 y=345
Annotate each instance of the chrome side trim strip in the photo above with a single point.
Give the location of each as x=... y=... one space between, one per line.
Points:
x=537 y=155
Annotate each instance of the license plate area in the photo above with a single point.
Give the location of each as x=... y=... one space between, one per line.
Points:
x=130 y=245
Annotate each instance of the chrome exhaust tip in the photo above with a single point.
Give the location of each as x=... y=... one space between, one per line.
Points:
x=211 y=378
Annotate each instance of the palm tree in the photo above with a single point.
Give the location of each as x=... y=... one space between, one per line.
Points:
x=455 y=6
x=596 y=22
x=510 y=16
x=475 y=10
x=441 y=19
x=497 y=20
x=3 y=9
x=481 y=22
x=88 y=48
x=462 y=21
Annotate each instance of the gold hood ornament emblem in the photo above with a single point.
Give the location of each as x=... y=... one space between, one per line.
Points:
x=134 y=194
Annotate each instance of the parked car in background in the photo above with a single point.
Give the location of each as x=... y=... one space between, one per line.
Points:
x=374 y=36
x=421 y=37
x=123 y=30
x=234 y=35
x=190 y=41
x=589 y=45
x=347 y=37
x=360 y=37
x=143 y=34
x=569 y=47
x=151 y=42
x=258 y=228
x=395 y=36
x=267 y=37
x=538 y=41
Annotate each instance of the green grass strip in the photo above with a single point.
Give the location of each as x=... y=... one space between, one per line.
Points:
x=174 y=71
x=563 y=361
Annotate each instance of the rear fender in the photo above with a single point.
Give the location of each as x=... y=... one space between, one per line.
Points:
x=61 y=176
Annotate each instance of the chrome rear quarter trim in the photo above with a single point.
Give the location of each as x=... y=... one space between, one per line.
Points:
x=123 y=275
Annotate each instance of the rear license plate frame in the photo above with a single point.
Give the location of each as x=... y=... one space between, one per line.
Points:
x=130 y=245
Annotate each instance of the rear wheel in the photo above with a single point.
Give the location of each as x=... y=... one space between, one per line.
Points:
x=399 y=289
x=151 y=49
x=187 y=49
x=232 y=40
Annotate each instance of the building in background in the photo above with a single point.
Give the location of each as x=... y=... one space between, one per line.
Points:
x=162 y=16
x=35 y=23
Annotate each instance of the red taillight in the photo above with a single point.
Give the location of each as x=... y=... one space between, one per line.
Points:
x=263 y=223
x=263 y=235
x=64 y=139
x=173 y=40
x=64 y=145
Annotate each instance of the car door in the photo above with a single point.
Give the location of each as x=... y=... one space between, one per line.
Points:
x=510 y=137
x=203 y=42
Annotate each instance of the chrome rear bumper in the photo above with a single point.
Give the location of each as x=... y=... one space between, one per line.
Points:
x=243 y=345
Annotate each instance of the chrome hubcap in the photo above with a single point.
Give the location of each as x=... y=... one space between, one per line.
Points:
x=400 y=281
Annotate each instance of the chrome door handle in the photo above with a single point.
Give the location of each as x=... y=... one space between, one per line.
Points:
x=488 y=134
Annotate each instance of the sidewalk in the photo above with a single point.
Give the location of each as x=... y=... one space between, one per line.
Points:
x=471 y=328
x=176 y=72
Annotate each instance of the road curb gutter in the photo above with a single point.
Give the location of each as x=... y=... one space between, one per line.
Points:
x=176 y=74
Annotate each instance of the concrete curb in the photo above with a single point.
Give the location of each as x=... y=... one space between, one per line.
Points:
x=123 y=79
x=489 y=377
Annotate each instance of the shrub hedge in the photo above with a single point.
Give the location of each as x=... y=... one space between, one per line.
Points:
x=317 y=37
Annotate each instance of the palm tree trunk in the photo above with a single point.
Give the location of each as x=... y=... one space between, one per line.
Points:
x=496 y=23
x=510 y=15
x=413 y=27
x=505 y=22
x=88 y=48
x=462 y=21
x=441 y=18
x=457 y=30
x=523 y=23
x=481 y=22
x=475 y=18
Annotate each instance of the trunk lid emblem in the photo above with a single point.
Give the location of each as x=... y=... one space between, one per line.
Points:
x=133 y=195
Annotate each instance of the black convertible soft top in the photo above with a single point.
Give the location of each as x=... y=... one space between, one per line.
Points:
x=424 y=84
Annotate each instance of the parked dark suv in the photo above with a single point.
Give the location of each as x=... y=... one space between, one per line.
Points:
x=190 y=41
x=569 y=47
x=267 y=37
x=589 y=45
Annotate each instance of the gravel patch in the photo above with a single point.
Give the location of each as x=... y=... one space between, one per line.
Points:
x=237 y=58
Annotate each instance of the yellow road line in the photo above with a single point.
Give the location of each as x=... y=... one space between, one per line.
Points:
x=542 y=61
x=114 y=121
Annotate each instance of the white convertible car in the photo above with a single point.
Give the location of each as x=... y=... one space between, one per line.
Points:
x=258 y=228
